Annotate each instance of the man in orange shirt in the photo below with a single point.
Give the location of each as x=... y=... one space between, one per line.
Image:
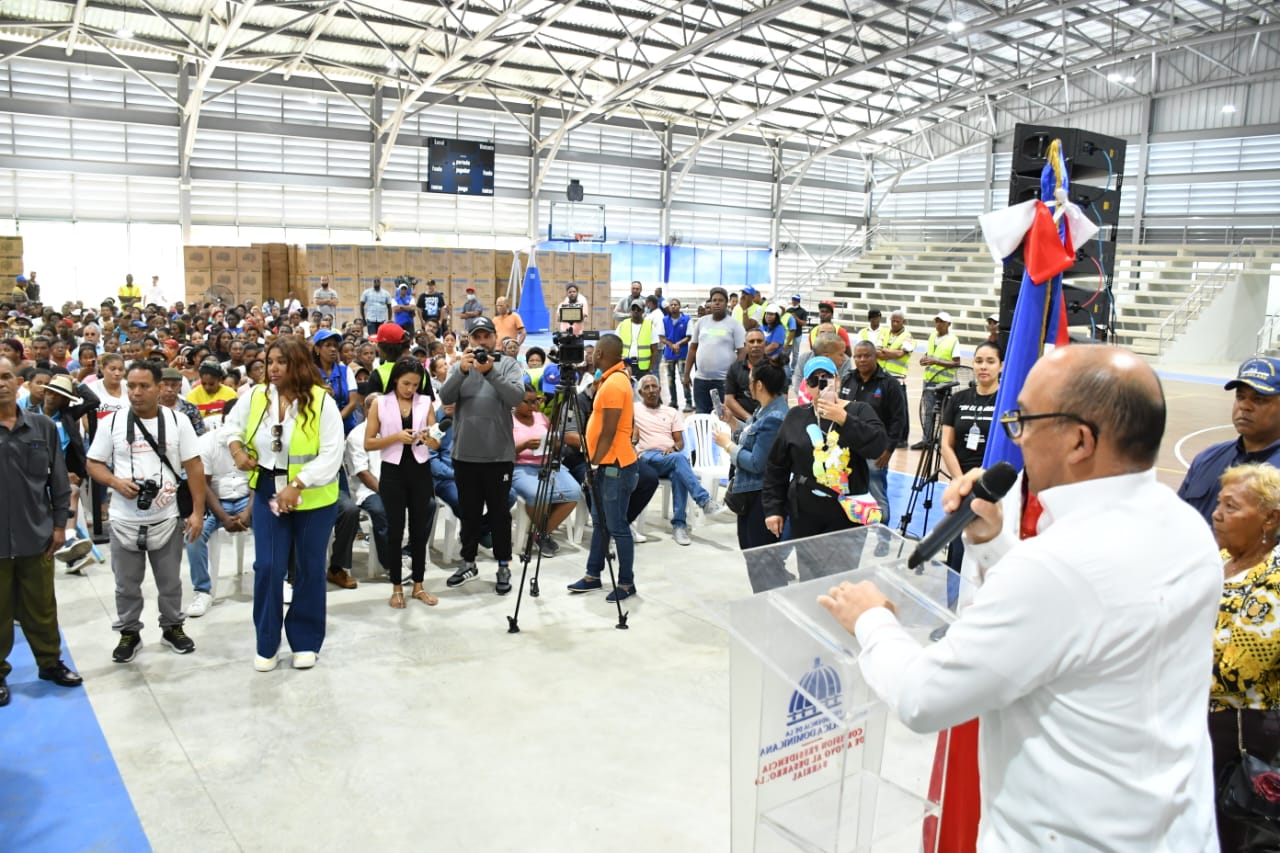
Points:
x=616 y=471
x=507 y=322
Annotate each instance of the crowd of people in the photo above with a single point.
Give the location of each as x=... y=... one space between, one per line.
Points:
x=179 y=420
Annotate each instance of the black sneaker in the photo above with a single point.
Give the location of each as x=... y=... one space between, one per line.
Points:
x=127 y=648
x=176 y=638
x=547 y=545
x=503 y=586
x=469 y=572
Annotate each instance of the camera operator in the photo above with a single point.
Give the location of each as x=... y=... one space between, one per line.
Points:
x=485 y=387
x=126 y=457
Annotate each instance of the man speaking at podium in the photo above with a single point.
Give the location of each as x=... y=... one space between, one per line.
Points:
x=1086 y=654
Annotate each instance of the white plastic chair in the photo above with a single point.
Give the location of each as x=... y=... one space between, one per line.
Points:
x=711 y=463
x=218 y=538
x=450 y=544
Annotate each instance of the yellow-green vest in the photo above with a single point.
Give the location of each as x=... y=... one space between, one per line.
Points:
x=304 y=446
x=943 y=348
x=645 y=353
x=896 y=367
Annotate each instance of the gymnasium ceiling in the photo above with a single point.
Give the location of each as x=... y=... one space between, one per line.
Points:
x=906 y=82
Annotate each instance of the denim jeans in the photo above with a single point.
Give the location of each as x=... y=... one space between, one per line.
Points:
x=684 y=483
x=614 y=495
x=702 y=394
x=878 y=486
x=306 y=532
x=675 y=375
x=198 y=551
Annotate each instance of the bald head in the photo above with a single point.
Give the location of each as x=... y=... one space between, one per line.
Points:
x=608 y=351
x=1113 y=389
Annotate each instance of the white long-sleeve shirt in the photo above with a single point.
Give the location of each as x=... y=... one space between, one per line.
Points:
x=319 y=471
x=1086 y=655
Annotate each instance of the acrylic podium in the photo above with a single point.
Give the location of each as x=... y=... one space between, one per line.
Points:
x=818 y=762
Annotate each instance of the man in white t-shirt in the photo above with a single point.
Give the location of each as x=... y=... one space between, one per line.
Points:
x=230 y=506
x=145 y=521
x=155 y=293
x=659 y=432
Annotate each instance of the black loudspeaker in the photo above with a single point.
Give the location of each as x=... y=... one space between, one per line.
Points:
x=1084 y=267
x=1087 y=307
x=574 y=191
x=1098 y=204
x=1090 y=157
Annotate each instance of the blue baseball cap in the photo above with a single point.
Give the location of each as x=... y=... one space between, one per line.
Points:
x=795 y=298
x=322 y=336
x=820 y=363
x=1261 y=373
x=139 y=324
x=750 y=289
x=550 y=378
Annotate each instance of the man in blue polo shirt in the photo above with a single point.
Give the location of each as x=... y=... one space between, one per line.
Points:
x=675 y=338
x=1256 y=416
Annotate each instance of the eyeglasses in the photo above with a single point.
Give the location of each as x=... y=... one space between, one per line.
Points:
x=817 y=379
x=1013 y=420
x=277 y=442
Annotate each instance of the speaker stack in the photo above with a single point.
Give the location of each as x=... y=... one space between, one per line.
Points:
x=1095 y=166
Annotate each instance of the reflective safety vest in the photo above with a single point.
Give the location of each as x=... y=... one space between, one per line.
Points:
x=896 y=367
x=304 y=446
x=384 y=373
x=644 y=343
x=944 y=349
x=755 y=312
x=813 y=333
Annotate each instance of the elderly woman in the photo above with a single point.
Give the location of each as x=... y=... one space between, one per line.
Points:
x=1245 y=693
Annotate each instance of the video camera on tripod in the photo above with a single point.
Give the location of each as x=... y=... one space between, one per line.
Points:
x=571 y=349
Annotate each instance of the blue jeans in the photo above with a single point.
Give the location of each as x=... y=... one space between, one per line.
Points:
x=702 y=394
x=614 y=495
x=684 y=483
x=564 y=489
x=307 y=533
x=878 y=486
x=198 y=551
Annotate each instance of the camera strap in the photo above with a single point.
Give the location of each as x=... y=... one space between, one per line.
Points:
x=160 y=449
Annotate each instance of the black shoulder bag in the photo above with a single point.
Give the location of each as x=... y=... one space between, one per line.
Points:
x=1249 y=789
x=186 y=505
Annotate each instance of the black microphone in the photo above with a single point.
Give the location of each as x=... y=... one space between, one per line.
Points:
x=993 y=485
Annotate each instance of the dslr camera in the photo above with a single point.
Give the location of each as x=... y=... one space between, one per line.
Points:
x=147 y=491
x=571 y=348
x=483 y=355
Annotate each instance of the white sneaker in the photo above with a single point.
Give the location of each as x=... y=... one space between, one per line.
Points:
x=262 y=664
x=681 y=535
x=636 y=535
x=713 y=508
x=304 y=660
x=200 y=604
x=288 y=593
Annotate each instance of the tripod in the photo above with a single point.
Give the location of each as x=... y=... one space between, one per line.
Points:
x=930 y=465
x=564 y=411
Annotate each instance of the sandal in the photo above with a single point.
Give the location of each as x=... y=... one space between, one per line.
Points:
x=424 y=596
x=397 y=599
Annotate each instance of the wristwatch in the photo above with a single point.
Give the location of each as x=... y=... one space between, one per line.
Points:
x=297 y=483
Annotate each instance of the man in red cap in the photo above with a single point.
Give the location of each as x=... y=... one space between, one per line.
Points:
x=392 y=340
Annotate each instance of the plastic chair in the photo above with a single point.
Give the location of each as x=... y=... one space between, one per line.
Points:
x=450 y=544
x=215 y=541
x=711 y=464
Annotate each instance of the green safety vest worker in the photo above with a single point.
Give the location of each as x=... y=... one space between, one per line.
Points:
x=874 y=335
x=897 y=367
x=304 y=446
x=754 y=312
x=942 y=348
x=813 y=333
x=637 y=344
x=789 y=322
x=384 y=373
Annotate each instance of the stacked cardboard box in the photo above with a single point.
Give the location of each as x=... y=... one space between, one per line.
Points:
x=11 y=260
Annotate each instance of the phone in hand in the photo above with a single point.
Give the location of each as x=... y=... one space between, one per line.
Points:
x=717 y=404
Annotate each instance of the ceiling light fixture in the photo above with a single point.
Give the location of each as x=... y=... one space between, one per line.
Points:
x=1129 y=79
x=1228 y=109
x=1114 y=77
x=124 y=33
x=955 y=27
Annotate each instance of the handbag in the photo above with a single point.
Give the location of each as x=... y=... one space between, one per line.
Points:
x=186 y=504
x=1250 y=788
x=739 y=503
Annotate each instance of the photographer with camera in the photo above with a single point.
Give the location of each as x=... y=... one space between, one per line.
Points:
x=484 y=387
x=137 y=455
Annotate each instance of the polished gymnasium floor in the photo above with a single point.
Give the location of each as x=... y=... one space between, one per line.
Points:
x=427 y=728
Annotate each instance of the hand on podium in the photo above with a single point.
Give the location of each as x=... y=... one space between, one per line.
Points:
x=848 y=601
